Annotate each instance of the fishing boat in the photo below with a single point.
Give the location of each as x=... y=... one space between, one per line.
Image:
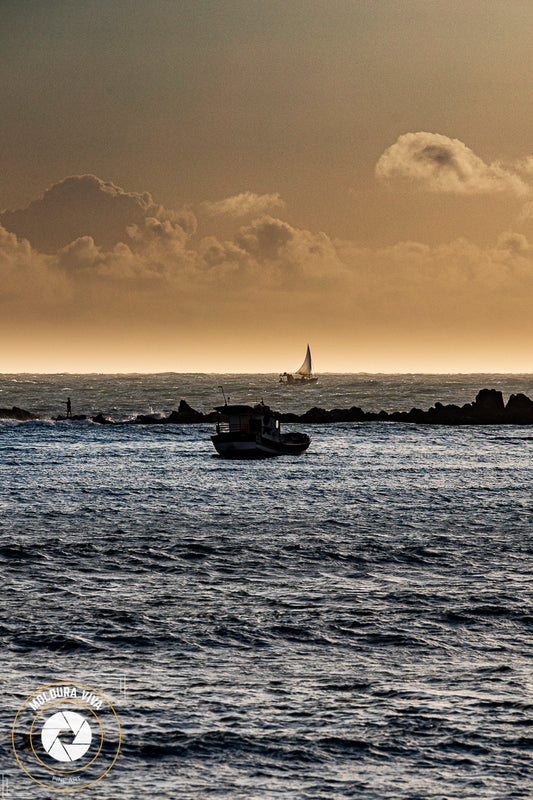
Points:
x=304 y=375
x=254 y=432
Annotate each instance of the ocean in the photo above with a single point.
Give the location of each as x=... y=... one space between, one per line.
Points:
x=355 y=622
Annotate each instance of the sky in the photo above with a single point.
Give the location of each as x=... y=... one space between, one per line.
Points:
x=209 y=185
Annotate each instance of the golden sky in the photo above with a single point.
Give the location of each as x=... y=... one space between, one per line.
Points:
x=208 y=185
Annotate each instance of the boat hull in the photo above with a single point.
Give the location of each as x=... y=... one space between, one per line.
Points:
x=299 y=382
x=247 y=445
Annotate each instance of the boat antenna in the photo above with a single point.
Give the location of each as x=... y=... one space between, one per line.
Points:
x=223 y=395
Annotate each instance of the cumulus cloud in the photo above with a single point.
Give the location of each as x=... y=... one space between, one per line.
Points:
x=269 y=275
x=84 y=205
x=267 y=262
x=244 y=204
x=291 y=259
x=436 y=163
x=265 y=237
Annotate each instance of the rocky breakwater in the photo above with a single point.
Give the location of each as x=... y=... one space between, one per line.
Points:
x=487 y=409
x=185 y=415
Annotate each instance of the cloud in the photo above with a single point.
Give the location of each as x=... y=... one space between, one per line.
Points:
x=31 y=283
x=289 y=258
x=244 y=204
x=265 y=237
x=514 y=242
x=436 y=163
x=270 y=276
x=162 y=275
x=84 y=205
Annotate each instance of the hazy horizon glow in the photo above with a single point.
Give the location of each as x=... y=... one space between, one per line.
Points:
x=208 y=187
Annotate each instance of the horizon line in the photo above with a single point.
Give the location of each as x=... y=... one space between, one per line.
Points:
x=174 y=372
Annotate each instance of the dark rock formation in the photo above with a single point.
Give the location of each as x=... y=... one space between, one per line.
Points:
x=185 y=415
x=487 y=409
x=101 y=420
x=489 y=405
x=16 y=413
x=519 y=410
x=316 y=415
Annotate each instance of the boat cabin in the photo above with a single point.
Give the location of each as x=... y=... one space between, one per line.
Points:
x=254 y=432
x=246 y=419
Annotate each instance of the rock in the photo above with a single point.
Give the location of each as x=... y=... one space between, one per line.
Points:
x=148 y=419
x=185 y=415
x=315 y=415
x=448 y=415
x=353 y=414
x=318 y=415
x=288 y=417
x=188 y=414
x=416 y=415
x=101 y=420
x=16 y=413
x=519 y=409
x=488 y=406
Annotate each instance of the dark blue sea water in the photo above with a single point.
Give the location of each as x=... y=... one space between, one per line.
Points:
x=355 y=622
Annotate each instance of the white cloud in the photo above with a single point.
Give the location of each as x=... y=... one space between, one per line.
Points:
x=436 y=163
x=241 y=205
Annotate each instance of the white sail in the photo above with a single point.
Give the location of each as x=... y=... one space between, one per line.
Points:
x=305 y=369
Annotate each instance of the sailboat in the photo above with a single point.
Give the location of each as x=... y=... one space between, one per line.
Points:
x=304 y=374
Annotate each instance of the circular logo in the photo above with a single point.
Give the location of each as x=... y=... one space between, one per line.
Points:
x=59 y=748
x=58 y=736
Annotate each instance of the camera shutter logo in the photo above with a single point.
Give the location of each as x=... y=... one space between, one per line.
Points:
x=58 y=736
x=75 y=724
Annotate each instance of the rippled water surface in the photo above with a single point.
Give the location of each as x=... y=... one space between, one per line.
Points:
x=352 y=623
x=123 y=396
